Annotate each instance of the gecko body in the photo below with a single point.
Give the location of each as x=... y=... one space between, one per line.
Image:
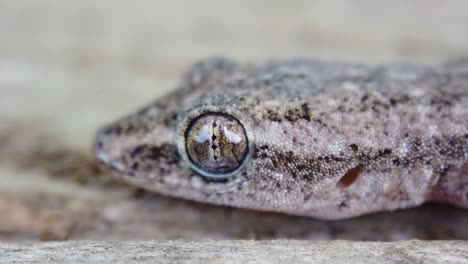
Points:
x=322 y=139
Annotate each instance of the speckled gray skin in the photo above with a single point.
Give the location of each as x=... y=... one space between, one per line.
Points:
x=327 y=140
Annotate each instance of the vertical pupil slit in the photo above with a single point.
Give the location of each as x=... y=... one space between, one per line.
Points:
x=213 y=146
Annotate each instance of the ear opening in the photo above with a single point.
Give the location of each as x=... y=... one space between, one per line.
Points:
x=350 y=177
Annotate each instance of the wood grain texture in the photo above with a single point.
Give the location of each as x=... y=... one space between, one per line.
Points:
x=283 y=251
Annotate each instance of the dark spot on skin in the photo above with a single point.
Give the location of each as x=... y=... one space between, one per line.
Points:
x=350 y=177
x=135 y=166
x=393 y=102
x=381 y=104
x=273 y=116
x=294 y=174
x=342 y=205
x=300 y=167
x=310 y=177
x=336 y=158
x=306 y=111
x=137 y=151
x=167 y=152
x=396 y=161
x=387 y=152
x=170 y=119
x=417 y=142
x=293 y=115
x=289 y=157
x=261 y=152
x=318 y=120
x=154 y=153
x=354 y=147
x=364 y=98
x=170 y=153
x=260 y=155
x=264 y=147
x=309 y=169
x=440 y=101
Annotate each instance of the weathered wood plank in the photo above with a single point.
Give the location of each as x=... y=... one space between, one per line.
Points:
x=280 y=251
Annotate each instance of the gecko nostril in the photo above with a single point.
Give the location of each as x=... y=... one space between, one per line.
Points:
x=99 y=147
x=100 y=154
x=350 y=177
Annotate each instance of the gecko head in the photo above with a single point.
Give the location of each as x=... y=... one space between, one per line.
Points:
x=213 y=152
x=194 y=154
x=240 y=146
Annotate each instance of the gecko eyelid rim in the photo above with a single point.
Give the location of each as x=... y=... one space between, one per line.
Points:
x=216 y=145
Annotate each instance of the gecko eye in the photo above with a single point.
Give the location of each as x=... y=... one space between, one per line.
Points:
x=216 y=144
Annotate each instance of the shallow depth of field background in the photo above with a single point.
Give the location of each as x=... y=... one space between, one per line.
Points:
x=67 y=67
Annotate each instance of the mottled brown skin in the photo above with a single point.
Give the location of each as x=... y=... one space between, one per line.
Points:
x=327 y=140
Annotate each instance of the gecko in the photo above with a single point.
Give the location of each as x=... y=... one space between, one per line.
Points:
x=328 y=140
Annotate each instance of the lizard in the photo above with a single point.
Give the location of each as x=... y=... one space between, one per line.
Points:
x=328 y=140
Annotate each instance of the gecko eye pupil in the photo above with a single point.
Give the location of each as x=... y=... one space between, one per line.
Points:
x=216 y=144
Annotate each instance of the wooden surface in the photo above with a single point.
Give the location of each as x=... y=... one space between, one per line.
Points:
x=67 y=67
x=279 y=251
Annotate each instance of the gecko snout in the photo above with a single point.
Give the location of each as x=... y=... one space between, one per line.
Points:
x=105 y=149
x=130 y=146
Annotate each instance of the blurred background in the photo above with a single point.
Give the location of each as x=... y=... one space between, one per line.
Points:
x=68 y=67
